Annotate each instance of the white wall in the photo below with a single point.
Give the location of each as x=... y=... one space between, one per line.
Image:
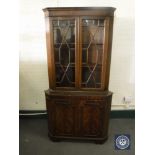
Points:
x=33 y=63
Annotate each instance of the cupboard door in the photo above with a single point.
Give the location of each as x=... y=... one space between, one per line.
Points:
x=65 y=48
x=91 y=118
x=92 y=52
x=63 y=118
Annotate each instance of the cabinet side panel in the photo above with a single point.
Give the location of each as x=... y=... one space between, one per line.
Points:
x=107 y=52
x=50 y=53
x=107 y=115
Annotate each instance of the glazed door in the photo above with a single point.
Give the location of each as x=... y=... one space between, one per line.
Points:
x=92 y=52
x=79 y=50
x=65 y=51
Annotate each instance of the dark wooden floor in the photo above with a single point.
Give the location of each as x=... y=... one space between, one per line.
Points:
x=34 y=140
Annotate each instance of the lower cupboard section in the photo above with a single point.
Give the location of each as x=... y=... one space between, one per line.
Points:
x=78 y=117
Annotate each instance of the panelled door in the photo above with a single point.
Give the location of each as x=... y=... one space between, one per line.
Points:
x=91 y=114
x=62 y=116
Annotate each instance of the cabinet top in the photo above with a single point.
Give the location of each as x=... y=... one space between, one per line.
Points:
x=79 y=11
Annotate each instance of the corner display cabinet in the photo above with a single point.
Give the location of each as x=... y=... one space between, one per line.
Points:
x=79 y=44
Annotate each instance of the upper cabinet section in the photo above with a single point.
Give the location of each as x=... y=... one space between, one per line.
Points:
x=79 y=47
x=79 y=11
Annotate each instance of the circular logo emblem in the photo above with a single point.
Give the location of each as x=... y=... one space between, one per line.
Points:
x=122 y=142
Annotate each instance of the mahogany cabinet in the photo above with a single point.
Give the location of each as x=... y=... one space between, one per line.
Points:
x=79 y=44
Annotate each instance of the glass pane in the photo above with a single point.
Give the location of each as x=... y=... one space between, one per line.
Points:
x=92 y=52
x=64 y=51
